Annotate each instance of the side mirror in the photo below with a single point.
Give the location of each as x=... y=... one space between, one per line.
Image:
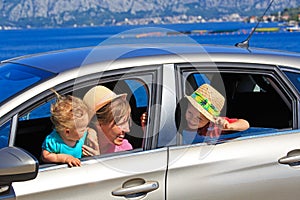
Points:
x=16 y=165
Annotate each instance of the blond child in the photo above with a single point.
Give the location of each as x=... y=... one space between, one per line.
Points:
x=69 y=116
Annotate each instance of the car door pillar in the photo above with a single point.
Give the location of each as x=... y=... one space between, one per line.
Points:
x=167 y=136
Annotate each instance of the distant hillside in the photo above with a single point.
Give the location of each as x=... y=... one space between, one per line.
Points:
x=61 y=13
x=292 y=12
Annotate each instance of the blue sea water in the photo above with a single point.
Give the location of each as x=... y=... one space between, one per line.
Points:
x=28 y=41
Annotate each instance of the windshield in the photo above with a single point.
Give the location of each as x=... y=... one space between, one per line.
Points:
x=15 y=78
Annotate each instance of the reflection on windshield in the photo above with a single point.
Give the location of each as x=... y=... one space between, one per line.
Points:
x=294 y=78
x=4 y=133
x=15 y=78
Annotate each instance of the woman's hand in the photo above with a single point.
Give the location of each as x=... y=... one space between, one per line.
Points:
x=91 y=145
x=91 y=151
x=143 y=119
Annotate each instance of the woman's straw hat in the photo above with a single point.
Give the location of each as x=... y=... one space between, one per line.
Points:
x=208 y=101
x=99 y=96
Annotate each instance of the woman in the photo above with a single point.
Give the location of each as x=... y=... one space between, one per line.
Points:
x=203 y=119
x=111 y=118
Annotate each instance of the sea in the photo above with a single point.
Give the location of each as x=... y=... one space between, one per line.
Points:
x=20 y=42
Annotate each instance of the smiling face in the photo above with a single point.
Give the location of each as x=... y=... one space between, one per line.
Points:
x=194 y=118
x=115 y=132
x=113 y=121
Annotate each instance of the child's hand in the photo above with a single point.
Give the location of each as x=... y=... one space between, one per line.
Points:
x=223 y=124
x=72 y=162
x=220 y=122
x=226 y=125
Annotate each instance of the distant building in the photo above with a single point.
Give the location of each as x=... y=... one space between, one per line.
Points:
x=285 y=17
x=253 y=19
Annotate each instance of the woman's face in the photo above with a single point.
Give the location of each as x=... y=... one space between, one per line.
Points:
x=115 y=132
x=194 y=118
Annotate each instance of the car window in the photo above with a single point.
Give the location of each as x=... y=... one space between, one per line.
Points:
x=138 y=98
x=139 y=91
x=38 y=112
x=35 y=124
x=248 y=96
x=258 y=98
x=294 y=78
x=4 y=134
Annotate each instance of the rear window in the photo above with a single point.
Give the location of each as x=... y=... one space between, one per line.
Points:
x=15 y=78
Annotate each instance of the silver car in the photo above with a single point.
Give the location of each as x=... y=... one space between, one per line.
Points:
x=261 y=86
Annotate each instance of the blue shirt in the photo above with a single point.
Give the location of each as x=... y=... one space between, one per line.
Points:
x=55 y=144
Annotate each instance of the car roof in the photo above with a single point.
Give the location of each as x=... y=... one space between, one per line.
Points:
x=67 y=59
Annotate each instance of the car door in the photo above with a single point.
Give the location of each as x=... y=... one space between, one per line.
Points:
x=139 y=173
x=258 y=164
x=135 y=174
x=243 y=169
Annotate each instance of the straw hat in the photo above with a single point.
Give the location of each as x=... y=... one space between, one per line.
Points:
x=99 y=96
x=208 y=101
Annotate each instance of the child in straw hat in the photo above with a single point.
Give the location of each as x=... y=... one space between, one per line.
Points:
x=203 y=116
x=70 y=118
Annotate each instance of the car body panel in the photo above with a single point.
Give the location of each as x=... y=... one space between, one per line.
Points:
x=96 y=178
x=243 y=169
x=240 y=168
x=63 y=60
x=142 y=61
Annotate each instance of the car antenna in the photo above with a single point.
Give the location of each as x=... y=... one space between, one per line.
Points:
x=245 y=43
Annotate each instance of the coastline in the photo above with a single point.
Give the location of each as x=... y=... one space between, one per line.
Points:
x=29 y=41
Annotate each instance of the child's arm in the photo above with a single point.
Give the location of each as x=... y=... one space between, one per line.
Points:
x=238 y=125
x=60 y=158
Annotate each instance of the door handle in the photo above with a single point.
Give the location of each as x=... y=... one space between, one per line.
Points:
x=136 y=188
x=292 y=158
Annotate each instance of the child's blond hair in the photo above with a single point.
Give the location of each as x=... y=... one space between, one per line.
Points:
x=67 y=112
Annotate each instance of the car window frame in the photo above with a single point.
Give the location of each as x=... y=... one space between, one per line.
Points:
x=293 y=88
x=68 y=86
x=224 y=67
x=5 y=133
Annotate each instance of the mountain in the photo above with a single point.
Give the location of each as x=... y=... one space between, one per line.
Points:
x=63 y=13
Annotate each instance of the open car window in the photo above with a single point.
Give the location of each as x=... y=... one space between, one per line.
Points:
x=35 y=124
x=257 y=98
x=254 y=97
